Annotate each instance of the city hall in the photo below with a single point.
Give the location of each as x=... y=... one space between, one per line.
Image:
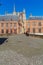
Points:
x=16 y=23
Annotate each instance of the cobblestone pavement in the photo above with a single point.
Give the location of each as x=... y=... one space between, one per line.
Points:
x=8 y=57
x=22 y=50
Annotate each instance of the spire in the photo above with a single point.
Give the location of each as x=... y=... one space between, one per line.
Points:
x=14 y=12
x=14 y=8
x=24 y=11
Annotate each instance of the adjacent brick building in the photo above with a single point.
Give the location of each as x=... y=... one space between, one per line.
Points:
x=35 y=25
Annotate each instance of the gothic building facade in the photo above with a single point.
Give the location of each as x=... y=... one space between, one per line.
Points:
x=13 y=23
x=16 y=23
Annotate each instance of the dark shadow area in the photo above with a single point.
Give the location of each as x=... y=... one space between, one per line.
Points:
x=2 y=40
x=27 y=34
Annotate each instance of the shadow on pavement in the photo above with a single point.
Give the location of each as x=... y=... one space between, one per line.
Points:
x=2 y=40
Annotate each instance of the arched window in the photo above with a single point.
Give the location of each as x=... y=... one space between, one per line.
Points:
x=2 y=31
x=33 y=30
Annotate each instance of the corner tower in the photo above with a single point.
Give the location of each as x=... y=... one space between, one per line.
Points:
x=24 y=14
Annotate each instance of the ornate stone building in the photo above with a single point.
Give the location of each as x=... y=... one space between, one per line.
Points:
x=13 y=23
x=16 y=23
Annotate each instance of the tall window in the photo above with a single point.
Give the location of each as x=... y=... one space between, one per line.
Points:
x=2 y=24
x=6 y=30
x=39 y=23
x=33 y=30
x=39 y=30
x=11 y=31
x=15 y=31
x=2 y=31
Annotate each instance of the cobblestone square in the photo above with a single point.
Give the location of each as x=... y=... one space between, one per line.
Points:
x=21 y=50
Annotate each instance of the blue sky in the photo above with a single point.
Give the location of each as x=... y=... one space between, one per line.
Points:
x=32 y=6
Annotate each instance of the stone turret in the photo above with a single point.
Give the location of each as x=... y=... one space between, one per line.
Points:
x=24 y=14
